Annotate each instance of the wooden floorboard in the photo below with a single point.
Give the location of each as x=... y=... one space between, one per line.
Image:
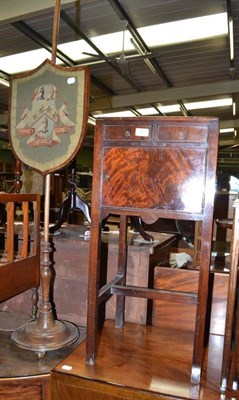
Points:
x=149 y=360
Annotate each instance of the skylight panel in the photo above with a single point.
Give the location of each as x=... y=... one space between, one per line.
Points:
x=185 y=30
x=155 y=35
x=209 y=104
x=74 y=50
x=112 y=42
x=24 y=61
x=227 y=130
x=169 y=109
x=147 y=111
x=115 y=114
x=197 y=105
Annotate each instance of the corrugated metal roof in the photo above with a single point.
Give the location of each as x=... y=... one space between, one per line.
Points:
x=184 y=65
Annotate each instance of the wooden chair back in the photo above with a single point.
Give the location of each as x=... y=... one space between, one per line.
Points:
x=19 y=244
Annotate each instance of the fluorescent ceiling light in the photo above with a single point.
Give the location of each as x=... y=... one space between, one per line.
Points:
x=142 y=52
x=233 y=108
x=198 y=105
x=231 y=39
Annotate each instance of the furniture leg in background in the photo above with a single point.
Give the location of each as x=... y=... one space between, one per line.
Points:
x=230 y=350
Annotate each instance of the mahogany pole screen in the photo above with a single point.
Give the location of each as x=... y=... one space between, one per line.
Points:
x=49 y=111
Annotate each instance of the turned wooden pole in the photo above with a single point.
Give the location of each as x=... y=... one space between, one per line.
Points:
x=46 y=320
x=17 y=183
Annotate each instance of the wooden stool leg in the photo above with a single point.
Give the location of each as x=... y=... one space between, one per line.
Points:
x=203 y=286
x=235 y=352
x=231 y=297
x=196 y=243
x=93 y=293
x=122 y=265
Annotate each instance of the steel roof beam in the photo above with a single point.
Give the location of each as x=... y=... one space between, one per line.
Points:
x=42 y=42
x=75 y=28
x=175 y=94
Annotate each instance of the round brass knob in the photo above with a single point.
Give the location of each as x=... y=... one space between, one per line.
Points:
x=181 y=135
x=106 y=177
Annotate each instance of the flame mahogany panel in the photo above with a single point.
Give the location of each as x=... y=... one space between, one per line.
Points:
x=162 y=178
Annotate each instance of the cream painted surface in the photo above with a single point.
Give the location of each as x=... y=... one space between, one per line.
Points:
x=11 y=10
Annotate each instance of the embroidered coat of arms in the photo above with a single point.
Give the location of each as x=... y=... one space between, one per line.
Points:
x=49 y=112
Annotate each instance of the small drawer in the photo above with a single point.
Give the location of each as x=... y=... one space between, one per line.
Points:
x=182 y=133
x=128 y=132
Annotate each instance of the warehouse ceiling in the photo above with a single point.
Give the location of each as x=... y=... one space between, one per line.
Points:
x=174 y=74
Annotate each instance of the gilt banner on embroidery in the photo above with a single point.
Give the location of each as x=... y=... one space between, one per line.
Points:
x=49 y=113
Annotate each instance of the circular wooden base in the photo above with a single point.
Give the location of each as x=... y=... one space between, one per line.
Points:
x=60 y=334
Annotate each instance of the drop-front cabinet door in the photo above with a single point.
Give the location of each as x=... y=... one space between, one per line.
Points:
x=154 y=178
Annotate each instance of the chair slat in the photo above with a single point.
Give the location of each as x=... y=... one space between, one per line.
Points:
x=25 y=234
x=10 y=231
